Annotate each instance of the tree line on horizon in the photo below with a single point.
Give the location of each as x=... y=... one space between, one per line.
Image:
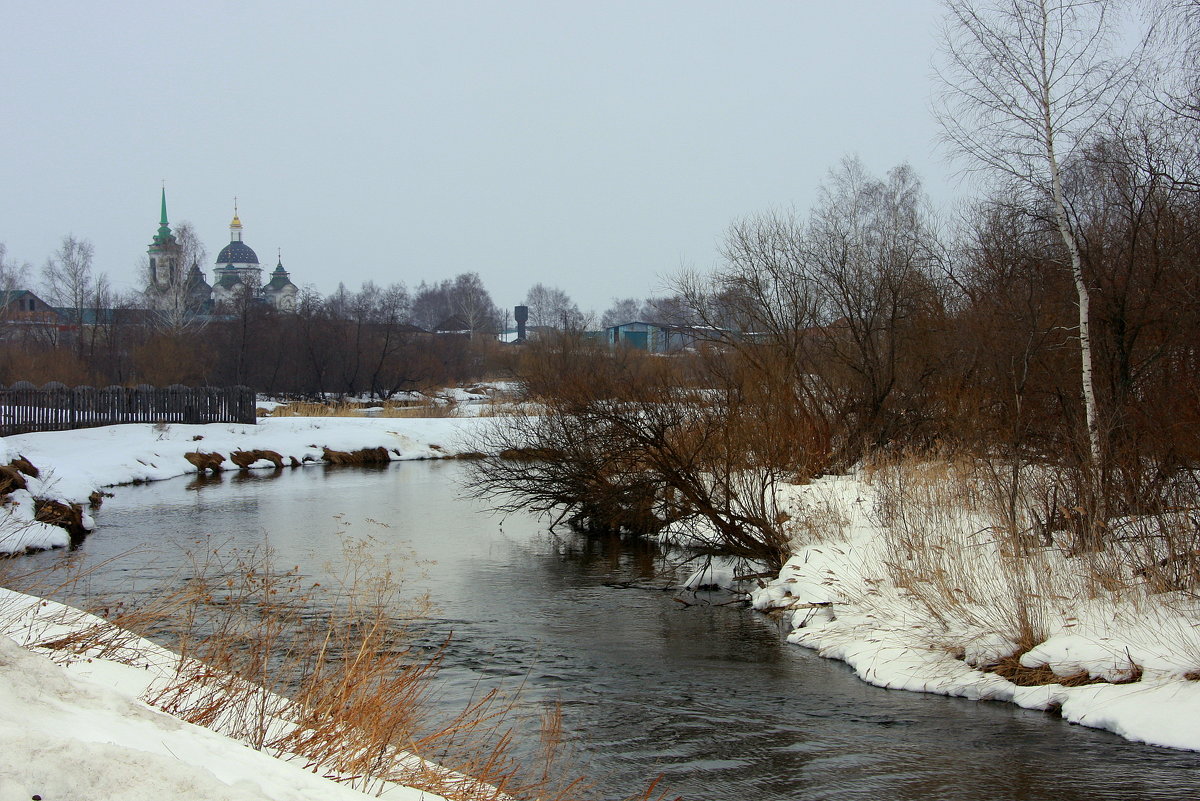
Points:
x=377 y=340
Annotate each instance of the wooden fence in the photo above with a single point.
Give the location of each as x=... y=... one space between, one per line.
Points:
x=56 y=407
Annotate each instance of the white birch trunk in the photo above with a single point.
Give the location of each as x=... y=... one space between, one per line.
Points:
x=1098 y=510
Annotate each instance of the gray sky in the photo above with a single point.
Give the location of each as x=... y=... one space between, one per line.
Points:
x=592 y=146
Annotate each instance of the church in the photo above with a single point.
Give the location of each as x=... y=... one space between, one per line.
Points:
x=236 y=273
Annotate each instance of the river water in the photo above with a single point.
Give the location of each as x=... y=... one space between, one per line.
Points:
x=709 y=696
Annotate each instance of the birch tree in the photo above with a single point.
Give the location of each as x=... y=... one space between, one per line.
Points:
x=70 y=284
x=1025 y=83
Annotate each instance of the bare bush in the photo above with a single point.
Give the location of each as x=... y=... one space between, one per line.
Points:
x=687 y=447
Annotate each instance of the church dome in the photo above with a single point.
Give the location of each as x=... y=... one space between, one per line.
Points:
x=237 y=252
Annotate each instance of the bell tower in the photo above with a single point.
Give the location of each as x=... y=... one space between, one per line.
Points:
x=163 y=252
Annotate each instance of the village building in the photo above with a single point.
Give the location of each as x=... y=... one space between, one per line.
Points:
x=24 y=307
x=655 y=337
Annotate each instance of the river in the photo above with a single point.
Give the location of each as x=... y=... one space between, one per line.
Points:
x=710 y=696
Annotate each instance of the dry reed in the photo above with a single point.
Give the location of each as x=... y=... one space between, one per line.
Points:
x=967 y=541
x=327 y=675
x=958 y=547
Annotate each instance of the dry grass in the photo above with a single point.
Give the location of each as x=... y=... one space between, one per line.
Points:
x=1010 y=668
x=433 y=405
x=958 y=547
x=343 y=689
x=820 y=519
x=967 y=542
x=328 y=675
x=345 y=409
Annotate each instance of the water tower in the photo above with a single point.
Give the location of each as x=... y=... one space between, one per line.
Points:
x=521 y=315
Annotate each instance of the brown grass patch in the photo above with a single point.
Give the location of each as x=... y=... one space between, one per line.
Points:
x=68 y=517
x=1010 y=668
x=10 y=479
x=25 y=466
x=243 y=459
x=205 y=461
x=364 y=456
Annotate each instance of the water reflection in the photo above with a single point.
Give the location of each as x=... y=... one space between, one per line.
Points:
x=708 y=695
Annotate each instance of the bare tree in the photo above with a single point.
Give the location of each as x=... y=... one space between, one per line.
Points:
x=623 y=310
x=1175 y=42
x=1025 y=83
x=12 y=276
x=430 y=304
x=12 y=273
x=836 y=314
x=178 y=301
x=551 y=307
x=472 y=304
x=69 y=283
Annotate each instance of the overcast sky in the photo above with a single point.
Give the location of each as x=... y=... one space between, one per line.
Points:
x=595 y=146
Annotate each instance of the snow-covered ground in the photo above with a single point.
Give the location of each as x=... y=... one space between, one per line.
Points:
x=73 y=464
x=849 y=592
x=76 y=727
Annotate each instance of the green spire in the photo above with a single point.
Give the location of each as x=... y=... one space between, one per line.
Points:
x=164 y=230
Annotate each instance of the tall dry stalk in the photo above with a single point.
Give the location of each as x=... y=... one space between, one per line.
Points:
x=957 y=544
x=331 y=676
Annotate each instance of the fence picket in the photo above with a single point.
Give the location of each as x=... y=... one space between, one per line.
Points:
x=55 y=407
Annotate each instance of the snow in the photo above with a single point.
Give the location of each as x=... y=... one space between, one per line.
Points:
x=79 y=730
x=1069 y=654
x=841 y=596
x=73 y=464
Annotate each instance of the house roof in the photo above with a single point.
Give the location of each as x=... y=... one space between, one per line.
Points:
x=9 y=295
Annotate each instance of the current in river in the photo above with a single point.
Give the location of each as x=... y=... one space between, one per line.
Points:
x=650 y=682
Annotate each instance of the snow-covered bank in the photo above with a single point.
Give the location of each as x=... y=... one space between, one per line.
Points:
x=847 y=595
x=78 y=729
x=73 y=464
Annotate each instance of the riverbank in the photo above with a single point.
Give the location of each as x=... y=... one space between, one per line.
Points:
x=936 y=605
x=73 y=465
x=73 y=725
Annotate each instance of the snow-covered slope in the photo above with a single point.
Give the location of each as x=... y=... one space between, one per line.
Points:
x=79 y=731
x=843 y=598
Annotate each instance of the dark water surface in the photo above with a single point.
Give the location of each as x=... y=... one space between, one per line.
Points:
x=709 y=696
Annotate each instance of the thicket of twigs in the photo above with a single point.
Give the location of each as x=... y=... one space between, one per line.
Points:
x=866 y=330
x=321 y=349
